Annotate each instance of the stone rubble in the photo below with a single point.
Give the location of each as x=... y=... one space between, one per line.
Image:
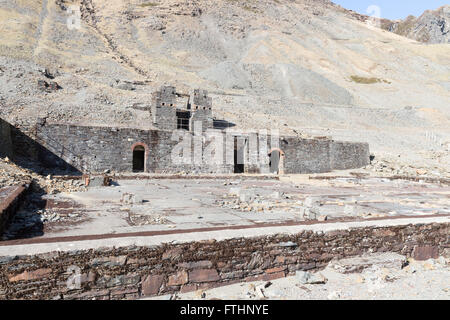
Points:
x=30 y=222
x=390 y=168
x=246 y=200
x=381 y=260
x=305 y=277
x=12 y=174
x=249 y=201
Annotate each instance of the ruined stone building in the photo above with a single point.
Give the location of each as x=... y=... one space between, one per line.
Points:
x=183 y=138
x=168 y=114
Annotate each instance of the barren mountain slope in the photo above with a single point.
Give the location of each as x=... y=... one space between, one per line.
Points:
x=300 y=66
x=433 y=26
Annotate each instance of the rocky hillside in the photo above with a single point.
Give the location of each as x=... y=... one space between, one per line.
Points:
x=430 y=27
x=304 y=67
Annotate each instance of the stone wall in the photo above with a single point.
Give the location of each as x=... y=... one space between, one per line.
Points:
x=164 y=117
x=203 y=117
x=5 y=139
x=131 y=272
x=102 y=148
x=348 y=155
x=95 y=149
x=201 y=100
x=10 y=200
x=306 y=155
x=164 y=107
x=317 y=155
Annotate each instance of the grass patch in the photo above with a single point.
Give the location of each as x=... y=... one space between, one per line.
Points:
x=148 y=4
x=364 y=80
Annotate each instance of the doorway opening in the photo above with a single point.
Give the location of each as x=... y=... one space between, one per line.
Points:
x=138 y=159
x=276 y=164
x=239 y=155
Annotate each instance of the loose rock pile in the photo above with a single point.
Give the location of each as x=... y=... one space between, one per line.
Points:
x=151 y=219
x=132 y=201
x=11 y=174
x=250 y=201
x=385 y=167
x=30 y=222
x=52 y=216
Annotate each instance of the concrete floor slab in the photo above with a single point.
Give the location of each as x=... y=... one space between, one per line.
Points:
x=171 y=205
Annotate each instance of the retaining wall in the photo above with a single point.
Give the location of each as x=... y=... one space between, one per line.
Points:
x=6 y=149
x=10 y=200
x=132 y=272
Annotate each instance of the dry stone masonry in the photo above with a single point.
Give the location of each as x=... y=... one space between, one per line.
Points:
x=10 y=200
x=132 y=272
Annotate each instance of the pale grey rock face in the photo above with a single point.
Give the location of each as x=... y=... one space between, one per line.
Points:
x=430 y=27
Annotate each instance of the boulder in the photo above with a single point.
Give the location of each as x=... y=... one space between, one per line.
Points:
x=305 y=277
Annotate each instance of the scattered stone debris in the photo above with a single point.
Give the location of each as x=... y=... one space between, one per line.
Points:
x=389 y=168
x=310 y=209
x=147 y=219
x=248 y=200
x=30 y=219
x=98 y=181
x=306 y=277
x=12 y=174
x=31 y=222
x=48 y=74
x=130 y=199
x=358 y=264
x=48 y=86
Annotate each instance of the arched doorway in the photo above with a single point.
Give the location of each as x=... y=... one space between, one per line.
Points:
x=140 y=154
x=138 y=159
x=276 y=161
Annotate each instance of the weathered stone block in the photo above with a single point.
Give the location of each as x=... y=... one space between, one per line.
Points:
x=109 y=261
x=172 y=254
x=136 y=261
x=89 y=295
x=88 y=277
x=31 y=275
x=275 y=270
x=152 y=284
x=232 y=275
x=203 y=275
x=121 y=280
x=310 y=278
x=306 y=266
x=178 y=279
x=189 y=287
x=120 y=293
x=195 y=265
x=422 y=253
